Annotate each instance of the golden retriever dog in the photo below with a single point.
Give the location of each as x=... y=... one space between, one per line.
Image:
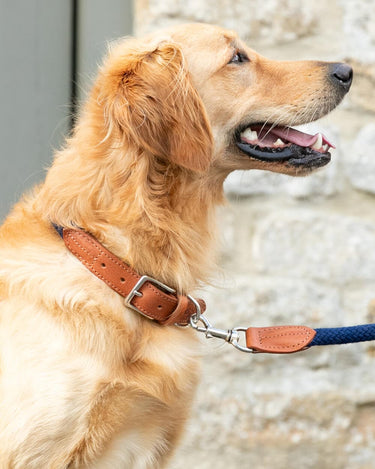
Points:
x=86 y=381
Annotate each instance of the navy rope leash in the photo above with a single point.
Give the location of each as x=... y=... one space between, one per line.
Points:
x=343 y=335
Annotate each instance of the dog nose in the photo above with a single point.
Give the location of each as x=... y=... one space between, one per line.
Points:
x=342 y=74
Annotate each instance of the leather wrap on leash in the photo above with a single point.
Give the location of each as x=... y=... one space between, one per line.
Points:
x=160 y=303
x=279 y=339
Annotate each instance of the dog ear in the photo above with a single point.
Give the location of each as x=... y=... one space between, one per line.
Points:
x=156 y=107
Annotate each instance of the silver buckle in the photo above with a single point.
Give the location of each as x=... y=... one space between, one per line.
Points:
x=135 y=292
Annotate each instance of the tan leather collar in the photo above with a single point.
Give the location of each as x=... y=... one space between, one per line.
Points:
x=143 y=294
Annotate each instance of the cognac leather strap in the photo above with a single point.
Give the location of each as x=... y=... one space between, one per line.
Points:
x=143 y=294
x=279 y=339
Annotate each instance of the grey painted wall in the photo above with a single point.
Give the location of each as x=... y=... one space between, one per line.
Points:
x=35 y=43
x=99 y=22
x=35 y=79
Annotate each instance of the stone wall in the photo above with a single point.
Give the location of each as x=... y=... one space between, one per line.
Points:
x=299 y=251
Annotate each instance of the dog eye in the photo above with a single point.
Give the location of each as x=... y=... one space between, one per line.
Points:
x=239 y=57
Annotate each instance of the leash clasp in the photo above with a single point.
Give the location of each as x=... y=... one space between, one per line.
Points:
x=232 y=336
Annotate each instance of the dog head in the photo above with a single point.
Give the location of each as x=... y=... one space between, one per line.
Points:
x=198 y=97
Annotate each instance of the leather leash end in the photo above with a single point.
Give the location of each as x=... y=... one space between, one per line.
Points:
x=279 y=339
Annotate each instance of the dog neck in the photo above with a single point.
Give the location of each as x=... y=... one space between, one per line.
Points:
x=156 y=216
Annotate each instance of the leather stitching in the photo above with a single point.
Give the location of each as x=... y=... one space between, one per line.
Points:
x=91 y=265
x=160 y=293
x=76 y=246
x=302 y=331
x=115 y=261
x=101 y=251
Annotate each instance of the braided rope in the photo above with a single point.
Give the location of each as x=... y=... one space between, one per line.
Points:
x=343 y=335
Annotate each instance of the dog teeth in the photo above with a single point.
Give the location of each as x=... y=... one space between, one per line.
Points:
x=250 y=135
x=325 y=147
x=278 y=143
x=318 y=143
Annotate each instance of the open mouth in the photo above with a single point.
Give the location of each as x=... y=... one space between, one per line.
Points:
x=284 y=144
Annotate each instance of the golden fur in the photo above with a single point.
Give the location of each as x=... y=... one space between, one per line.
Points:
x=85 y=382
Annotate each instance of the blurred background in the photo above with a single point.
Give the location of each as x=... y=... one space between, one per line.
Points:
x=294 y=251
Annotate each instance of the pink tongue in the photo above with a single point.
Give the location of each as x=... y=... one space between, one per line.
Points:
x=291 y=135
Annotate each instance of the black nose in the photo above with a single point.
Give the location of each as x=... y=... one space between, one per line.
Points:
x=342 y=74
